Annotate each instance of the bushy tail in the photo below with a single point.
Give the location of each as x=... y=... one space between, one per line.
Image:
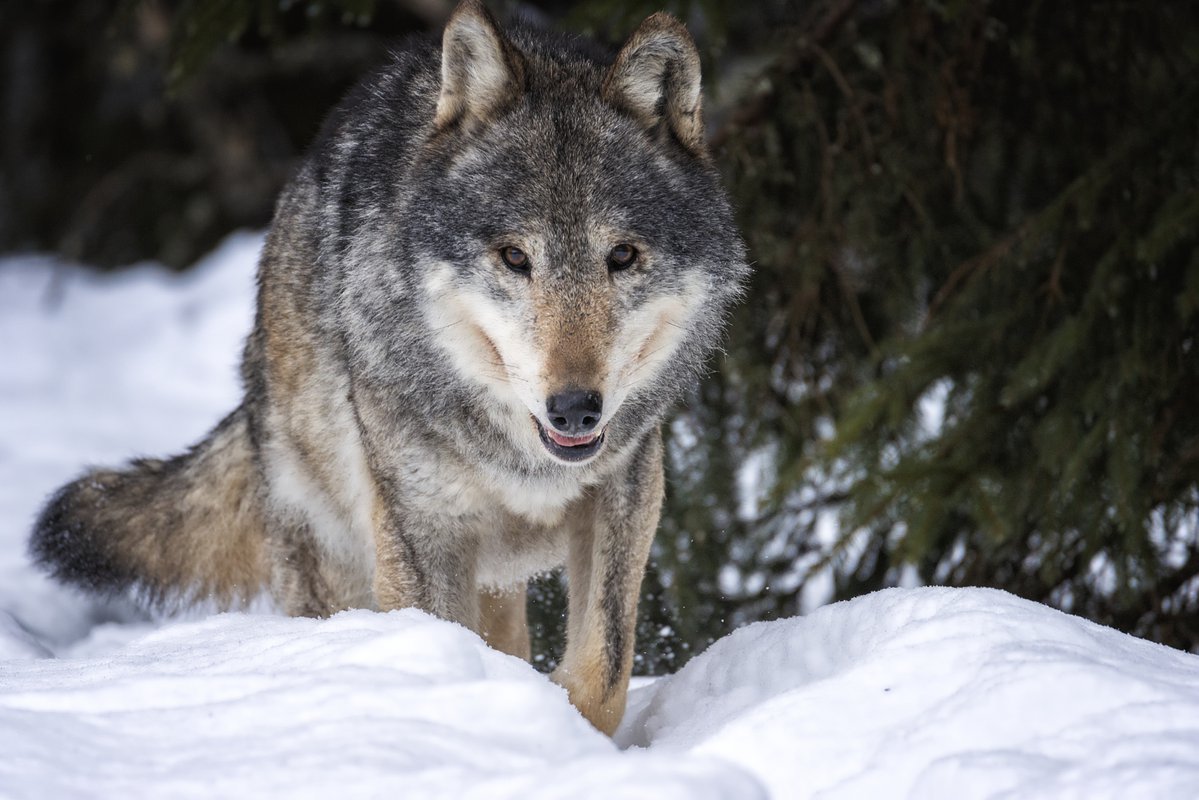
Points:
x=187 y=529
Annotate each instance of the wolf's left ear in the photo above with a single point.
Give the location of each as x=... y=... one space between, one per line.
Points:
x=481 y=72
x=656 y=79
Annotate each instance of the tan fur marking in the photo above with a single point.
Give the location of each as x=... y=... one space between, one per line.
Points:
x=316 y=453
x=193 y=536
x=575 y=340
x=289 y=358
x=581 y=683
x=503 y=621
x=395 y=585
x=232 y=544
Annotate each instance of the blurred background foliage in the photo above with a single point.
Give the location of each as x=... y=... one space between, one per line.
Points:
x=968 y=356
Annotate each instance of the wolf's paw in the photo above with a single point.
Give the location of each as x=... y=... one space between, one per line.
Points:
x=602 y=707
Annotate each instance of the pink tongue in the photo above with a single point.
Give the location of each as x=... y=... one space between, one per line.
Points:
x=570 y=441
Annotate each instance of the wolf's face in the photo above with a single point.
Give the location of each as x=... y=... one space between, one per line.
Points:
x=571 y=278
x=577 y=248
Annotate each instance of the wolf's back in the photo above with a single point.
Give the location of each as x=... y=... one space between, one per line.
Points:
x=186 y=529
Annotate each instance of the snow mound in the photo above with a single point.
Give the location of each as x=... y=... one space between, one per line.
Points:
x=921 y=693
x=358 y=705
x=935 y=693
x=904 y=693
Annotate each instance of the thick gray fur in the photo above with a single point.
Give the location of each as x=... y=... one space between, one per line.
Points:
x=368 y=466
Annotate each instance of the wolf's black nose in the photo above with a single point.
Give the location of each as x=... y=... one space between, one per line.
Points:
x=575 y=411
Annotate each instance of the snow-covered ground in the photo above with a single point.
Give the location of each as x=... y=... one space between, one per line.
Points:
x=922 y=693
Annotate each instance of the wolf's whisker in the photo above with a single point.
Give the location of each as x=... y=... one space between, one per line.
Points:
x=642 y=363
x=448 y=325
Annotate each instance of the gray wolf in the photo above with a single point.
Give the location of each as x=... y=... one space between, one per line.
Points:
x=502 y=261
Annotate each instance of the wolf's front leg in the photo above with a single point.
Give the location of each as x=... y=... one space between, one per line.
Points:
x=503 y=620
x=426 y=562
x=606 y=563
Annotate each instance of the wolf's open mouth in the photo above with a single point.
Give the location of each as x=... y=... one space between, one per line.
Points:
x=569 y=448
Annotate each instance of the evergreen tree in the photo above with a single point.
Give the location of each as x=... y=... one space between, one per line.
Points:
x=972 y=332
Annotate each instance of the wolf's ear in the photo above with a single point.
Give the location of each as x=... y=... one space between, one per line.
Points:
x=655 y=78
x=481 y=72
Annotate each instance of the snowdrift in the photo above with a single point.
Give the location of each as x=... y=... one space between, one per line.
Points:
x=904 y=693
x=921 y=693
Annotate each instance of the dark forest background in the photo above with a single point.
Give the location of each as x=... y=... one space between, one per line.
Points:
x=968 y=355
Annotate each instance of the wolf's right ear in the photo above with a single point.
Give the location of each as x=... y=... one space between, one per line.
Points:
x=481 y=72
x=656 y=79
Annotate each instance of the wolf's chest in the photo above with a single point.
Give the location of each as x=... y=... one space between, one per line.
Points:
x=528 y=532
x=540 y=501
x=519 y=524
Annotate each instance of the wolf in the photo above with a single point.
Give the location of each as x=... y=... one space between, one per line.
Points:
x=506 y=256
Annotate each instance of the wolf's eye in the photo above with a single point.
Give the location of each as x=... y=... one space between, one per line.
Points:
x=515 y=258
x=622 y=256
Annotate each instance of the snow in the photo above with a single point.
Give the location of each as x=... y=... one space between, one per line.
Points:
x=935 y=693
x=360 y=704
x=922 y=693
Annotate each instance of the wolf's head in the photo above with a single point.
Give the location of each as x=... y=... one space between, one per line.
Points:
x=577 y=252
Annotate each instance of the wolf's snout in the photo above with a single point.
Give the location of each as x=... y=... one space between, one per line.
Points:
x=575 y=412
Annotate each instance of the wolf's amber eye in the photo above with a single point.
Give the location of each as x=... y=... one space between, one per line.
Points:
x=622 y=256
x=515 y=258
